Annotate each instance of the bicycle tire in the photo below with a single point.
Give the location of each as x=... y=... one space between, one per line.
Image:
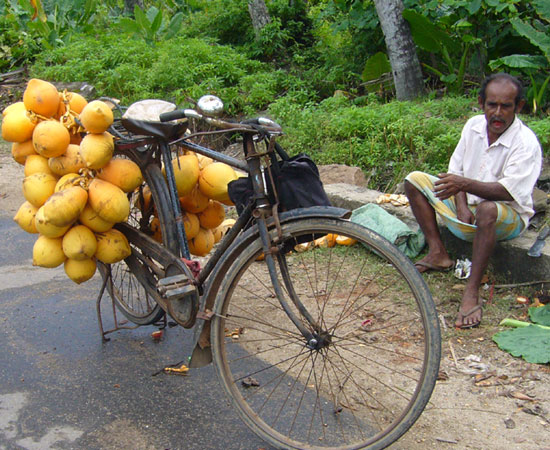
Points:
x=378 y=358
x=133 y=286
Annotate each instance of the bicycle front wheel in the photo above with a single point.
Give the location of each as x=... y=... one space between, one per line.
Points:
x=369 y=372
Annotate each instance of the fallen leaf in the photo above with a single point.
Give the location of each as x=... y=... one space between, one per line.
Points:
x=522 y=396
x=249 y=382
x=181 y=370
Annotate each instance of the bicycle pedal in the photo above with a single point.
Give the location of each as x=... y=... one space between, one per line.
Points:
x=175 y=286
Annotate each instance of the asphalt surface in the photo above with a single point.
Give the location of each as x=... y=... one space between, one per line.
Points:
x=62 y=387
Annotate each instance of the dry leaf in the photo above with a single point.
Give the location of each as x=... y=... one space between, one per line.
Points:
x=181 y=370
x=521 y=396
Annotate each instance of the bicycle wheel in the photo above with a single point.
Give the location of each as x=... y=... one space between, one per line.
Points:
x=134 y=279
x=372 y=368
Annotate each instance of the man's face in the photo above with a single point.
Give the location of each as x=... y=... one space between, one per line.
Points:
x=500 y=107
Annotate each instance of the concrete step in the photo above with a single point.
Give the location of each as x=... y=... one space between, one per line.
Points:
x=509 y=261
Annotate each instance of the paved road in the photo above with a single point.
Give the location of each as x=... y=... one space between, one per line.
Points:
x=62 y=387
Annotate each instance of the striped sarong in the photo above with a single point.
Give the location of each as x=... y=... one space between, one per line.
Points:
x=509 y=224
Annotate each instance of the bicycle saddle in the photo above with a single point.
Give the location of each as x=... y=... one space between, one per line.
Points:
x=143 y=118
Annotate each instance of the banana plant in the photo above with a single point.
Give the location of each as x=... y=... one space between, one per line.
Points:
x=151 y=25
x=532 y=65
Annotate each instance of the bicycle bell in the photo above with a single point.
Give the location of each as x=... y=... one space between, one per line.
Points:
x=210 y=105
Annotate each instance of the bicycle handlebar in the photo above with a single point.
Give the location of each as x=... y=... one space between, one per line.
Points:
x=247 y=125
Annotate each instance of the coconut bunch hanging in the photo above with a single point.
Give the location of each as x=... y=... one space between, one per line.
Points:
x=75 y=191
x=202 y=189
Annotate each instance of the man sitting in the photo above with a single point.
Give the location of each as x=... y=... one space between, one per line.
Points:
x=486 y=194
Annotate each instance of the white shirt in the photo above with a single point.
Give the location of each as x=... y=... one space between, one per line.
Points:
x=514 y=160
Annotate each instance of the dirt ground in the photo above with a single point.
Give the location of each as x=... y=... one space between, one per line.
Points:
x=485 y=399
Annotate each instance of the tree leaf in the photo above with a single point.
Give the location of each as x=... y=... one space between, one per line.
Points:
x=543 y=9
x=376 y=66
x=532 y=343
x=174 y=26
x=428 y=36
x=540 y=315
x=541 y=40
x=474 y=6
x=520 y=62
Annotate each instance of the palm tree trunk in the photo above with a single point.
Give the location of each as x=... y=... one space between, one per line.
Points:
x=407 y=75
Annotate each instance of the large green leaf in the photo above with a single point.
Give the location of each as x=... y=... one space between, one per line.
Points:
x=540 y=315
x=520 y=62
x=376 y=66
x=427 y=35
x=543 y=9
x=532 y=343
x=537 y=38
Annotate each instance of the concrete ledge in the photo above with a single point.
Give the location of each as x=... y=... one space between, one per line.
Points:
x=509 y=261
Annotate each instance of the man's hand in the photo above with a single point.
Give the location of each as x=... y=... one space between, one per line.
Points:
x=449 y=185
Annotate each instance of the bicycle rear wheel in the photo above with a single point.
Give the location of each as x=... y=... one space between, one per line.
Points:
x=373 y=365
x=133 y=286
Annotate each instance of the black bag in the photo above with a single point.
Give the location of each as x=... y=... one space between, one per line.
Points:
x=296 y=180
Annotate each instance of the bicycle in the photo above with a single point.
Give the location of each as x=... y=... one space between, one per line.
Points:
x=317 y=344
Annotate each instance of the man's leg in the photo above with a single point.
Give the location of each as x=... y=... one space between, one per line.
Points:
x=483 y=246
x=425 y=216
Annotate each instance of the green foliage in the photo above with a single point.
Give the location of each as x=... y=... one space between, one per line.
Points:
x=55 y=21
x=151 y=26
x=535 y=66
x=386 y=140
x=131 y=70
x=540 y=315
x=16 y=45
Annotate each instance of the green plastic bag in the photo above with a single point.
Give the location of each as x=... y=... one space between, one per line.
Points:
x=393 y=229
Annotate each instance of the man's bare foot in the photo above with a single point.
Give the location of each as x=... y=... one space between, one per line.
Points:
x=469 y=313
x=429 y=262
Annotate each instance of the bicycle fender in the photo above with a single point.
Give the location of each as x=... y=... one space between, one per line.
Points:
x=202 y=354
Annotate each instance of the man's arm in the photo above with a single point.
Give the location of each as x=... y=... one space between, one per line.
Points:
x=450 y=184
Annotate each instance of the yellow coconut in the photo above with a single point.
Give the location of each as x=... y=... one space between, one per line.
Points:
x=68 y=180
x=112 y=246
x=204 y=161
x=97 y=149
x=202 y=243
x=79 y=243
x=344 y=240
x=36 y=164
x=76 y=103
x=108 y=201
x=20 y=151
x=213 y=215
x=48 y=229
x=48 y=252
x=191 y=224
x=80 y=271
x=92 y=220
x=213 y=181
x=123 y=173
x=96 y=117
x=38 y=187
x=50 y=138
x=69 y=162
x=195 y=201
x=64 y=207
x=222 y=229
x=186 y=173
x=41 y=97
x=17 y=126
x=24 y=217
x=155 y=229
x=17 y=106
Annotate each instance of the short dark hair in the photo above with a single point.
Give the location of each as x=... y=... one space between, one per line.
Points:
x=501 y=76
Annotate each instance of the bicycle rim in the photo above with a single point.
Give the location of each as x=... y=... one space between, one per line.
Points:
x=133 y=285
x=372 y=369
